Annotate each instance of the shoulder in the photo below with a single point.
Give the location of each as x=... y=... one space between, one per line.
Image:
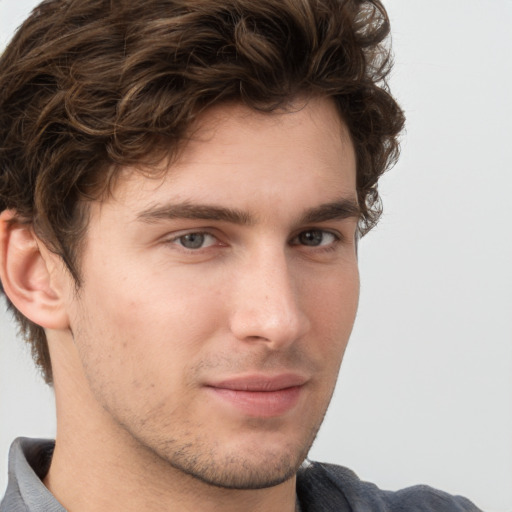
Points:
x=326 y=487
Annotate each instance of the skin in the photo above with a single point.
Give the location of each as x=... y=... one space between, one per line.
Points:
x=172 y=306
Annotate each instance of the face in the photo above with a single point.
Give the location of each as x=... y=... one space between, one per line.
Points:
x=217 y=301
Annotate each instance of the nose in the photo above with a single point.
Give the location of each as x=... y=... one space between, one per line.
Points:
x=268 y=303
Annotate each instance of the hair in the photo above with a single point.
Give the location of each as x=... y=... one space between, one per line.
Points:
x=90 y=86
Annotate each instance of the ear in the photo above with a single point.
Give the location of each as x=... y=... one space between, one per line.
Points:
x=29 y=274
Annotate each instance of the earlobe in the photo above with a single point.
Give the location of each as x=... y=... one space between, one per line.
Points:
x=26 y=273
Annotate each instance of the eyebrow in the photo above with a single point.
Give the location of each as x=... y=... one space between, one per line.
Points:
x=188 y=210
x=336 y=210
x=345 y=208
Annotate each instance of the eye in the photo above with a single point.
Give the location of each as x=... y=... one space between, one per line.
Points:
x=315 y=238
x=194 y=241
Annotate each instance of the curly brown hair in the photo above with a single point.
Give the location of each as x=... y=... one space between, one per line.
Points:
x=90 y=86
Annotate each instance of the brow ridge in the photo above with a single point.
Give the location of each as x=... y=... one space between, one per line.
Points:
x=335 y=210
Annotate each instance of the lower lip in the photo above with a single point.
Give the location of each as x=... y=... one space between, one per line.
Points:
x=262 y=404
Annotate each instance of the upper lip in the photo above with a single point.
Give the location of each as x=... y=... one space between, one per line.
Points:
x=260 y=382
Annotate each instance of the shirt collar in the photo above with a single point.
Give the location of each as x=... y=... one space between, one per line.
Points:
x=29 y=460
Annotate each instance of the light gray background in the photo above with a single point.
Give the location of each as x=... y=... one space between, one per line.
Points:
x=425 y=393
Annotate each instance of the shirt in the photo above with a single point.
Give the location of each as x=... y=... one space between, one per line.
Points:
x=320 y=488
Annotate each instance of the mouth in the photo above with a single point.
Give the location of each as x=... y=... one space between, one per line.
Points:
x=259 y=396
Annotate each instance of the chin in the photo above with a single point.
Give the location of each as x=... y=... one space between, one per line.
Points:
x=242 y=473
x=250 y=463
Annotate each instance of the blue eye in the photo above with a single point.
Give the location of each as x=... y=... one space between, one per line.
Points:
x=195 y=240
x=315 y=238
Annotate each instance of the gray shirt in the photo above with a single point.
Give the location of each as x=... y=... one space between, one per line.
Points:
x=320 y=488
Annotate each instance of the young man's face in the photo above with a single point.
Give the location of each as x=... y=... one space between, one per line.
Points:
x=217 y=302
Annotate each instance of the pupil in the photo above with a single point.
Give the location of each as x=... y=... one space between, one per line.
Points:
x=311 y=238
x=192 y=240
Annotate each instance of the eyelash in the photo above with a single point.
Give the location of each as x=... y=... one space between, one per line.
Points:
x=200 y=233
x=337 y=237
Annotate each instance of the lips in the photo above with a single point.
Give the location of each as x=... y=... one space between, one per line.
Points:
x=259 y=395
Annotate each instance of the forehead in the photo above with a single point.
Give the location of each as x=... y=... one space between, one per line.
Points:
x=236 y=131
x=233 y=154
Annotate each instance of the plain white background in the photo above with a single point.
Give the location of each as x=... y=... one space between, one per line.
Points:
x=425 y=393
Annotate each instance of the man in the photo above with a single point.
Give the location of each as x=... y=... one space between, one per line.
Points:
x=183 y=187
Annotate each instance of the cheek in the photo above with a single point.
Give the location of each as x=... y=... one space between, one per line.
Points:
x=138 y=339
x=332 y=310
x=333 y=305
x=149 y=323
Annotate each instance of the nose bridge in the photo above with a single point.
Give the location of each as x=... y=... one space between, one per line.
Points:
x=267 y=304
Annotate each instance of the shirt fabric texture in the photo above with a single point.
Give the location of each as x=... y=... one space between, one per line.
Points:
x=320 y=488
